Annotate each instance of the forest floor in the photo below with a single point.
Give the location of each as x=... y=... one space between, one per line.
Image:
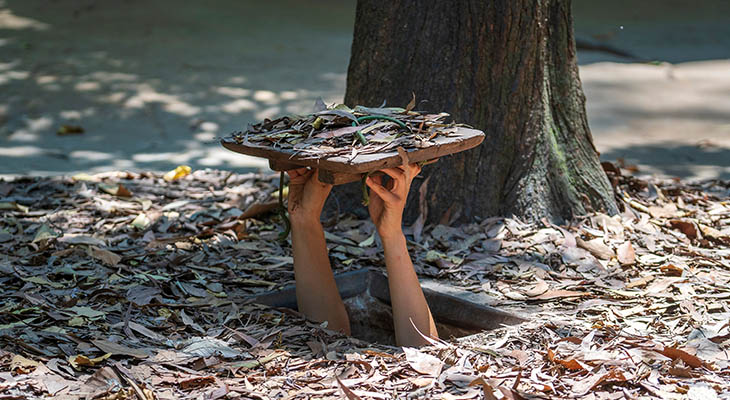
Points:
x=128 y=286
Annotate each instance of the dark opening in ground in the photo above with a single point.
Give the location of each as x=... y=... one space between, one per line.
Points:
x=367 y=299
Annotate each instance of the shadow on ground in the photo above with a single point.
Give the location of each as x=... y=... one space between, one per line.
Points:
x=154 y=84
x=682 y=161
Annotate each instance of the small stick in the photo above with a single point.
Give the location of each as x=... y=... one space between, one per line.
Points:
x=403 y=155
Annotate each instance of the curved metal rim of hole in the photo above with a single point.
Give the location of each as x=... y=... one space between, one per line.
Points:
x=448 y=309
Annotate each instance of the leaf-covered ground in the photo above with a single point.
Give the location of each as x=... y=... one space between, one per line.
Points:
x=131 y=286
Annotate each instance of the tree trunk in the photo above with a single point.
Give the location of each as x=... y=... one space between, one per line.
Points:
x=507 y=67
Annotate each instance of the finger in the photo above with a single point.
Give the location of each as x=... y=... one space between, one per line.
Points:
x=377 y=179
x=391 y=184
x=384 y=193
x=395 y=173
x=323 y=185
x=374 y=197
x=398 y=177
x=296 y=172
x=313 y=178
x=299 y=176
x=411 y=170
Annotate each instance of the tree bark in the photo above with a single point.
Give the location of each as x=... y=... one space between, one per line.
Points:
x=507 y=67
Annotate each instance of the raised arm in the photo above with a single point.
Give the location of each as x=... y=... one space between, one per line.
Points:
x=386 y=209
x=317 y=295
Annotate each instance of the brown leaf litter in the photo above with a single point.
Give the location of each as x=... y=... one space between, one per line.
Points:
x=130 y=286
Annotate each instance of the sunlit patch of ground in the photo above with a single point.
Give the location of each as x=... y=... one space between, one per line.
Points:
x=142 y=80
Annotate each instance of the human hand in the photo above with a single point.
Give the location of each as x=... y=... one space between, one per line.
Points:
x=387 y=202
x=306 y=195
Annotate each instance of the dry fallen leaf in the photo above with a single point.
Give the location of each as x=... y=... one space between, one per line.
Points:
x=115 y=190
x=142 y=221
x=81 y=239
x=196 y=382
x=180 y=171
x=118 y=349
x=586 y=385
x=65 y=130
x=689 y=359
x=671 y=270
x=349 y=393
x=21 y=365
x=596 y=247
x=78 y=361
x=554 y=294
x=539 y=288
x=639 y=282
x=196 y=280
x=625 y=253
x=488 y=390
x=105 y=256
x=569 y=364
x=686 y=227
x=209 y=346
x=666 y=211
x=423 y=363
x=45 y=233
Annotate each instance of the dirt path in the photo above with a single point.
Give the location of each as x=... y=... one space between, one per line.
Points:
x=672 y=120
x=153 y=88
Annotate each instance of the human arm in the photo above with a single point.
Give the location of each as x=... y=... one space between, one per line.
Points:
x=406 y=296
x=317 y=294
